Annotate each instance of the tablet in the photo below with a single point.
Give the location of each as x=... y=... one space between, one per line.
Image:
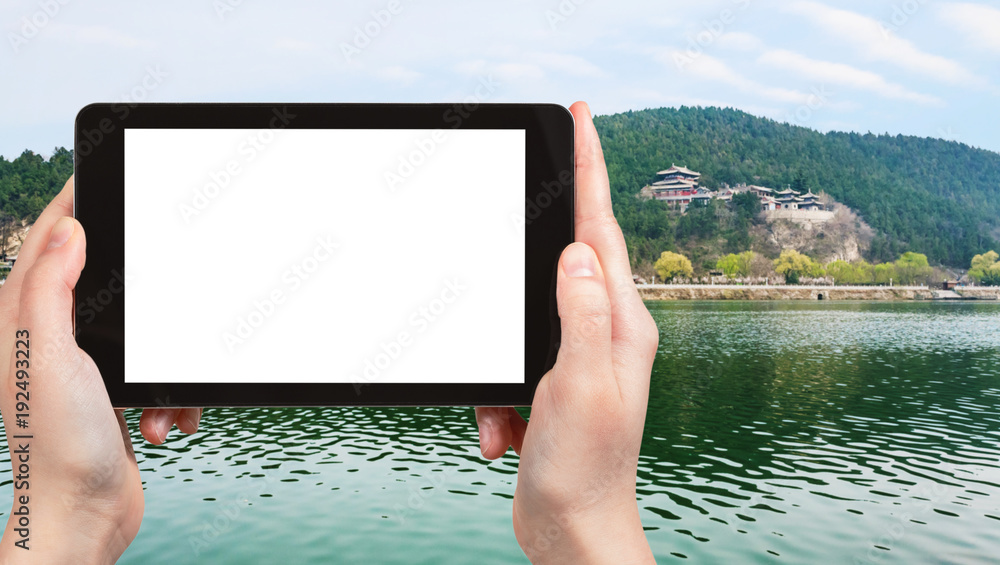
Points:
x=322 y=254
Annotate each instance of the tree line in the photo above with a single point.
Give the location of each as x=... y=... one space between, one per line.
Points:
x=29 y=182
x=985 y=269
x=909 y=269
x=793 y=267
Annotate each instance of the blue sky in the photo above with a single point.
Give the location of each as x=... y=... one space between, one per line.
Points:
x=919 y=67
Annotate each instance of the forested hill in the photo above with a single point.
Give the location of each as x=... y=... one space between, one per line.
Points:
x=931 y=196
x=926 y=195
x=29 y=182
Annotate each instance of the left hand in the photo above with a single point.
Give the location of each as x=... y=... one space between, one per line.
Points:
x=85 y=497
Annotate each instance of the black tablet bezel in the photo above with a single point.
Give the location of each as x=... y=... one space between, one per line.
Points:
x=99 y=205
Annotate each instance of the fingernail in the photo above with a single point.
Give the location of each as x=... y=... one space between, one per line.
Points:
x=61 y=232
x=485 y=437
x=191 y=422
x=163 y=422
x=579 y=261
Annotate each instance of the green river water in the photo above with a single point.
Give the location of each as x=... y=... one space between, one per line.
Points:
x=777 y=432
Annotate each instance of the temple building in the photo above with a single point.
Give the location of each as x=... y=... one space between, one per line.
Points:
x=677 y=186
x=810 y=201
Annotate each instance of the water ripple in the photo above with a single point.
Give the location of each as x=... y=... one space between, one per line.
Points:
x=796 y=432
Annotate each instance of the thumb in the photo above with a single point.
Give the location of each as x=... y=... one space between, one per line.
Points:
x=46 y=301
x=585 y=313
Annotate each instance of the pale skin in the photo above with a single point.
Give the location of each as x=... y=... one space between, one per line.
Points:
x=85 y=497
x=575 y=500
x=575 y=496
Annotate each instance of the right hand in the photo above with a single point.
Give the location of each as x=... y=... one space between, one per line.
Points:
x=575 y=500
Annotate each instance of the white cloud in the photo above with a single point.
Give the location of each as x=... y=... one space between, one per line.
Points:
x=638 y=98
x=603 y=53
x=296 y=45
x=398 y=74
x=98 y=35
x=740 y=41
x=826 y=72
x=568 y=64
x=709 y=68
x=532 y=66
x=874 y=41
x=652 y=98
x=516 y=72
x=475 y=67
x=979 y=23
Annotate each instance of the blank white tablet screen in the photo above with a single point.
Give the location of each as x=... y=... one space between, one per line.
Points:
x=324 y=256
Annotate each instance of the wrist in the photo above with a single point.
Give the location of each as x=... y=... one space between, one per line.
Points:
x=599 y=535
x=53 y=532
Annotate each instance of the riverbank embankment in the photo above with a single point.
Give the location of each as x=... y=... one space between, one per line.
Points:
x=797 y=292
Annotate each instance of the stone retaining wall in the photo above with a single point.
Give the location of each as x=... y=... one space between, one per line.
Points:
x=979 y=291
x=775 y=292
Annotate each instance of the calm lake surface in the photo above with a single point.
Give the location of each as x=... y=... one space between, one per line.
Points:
x=777 y=432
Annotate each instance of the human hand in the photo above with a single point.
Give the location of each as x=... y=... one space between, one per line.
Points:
x=575 y=497
x=84 y=497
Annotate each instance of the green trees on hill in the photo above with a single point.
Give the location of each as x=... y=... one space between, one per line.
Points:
x=937 y=197
x=848 y=273
x=912 y=268
x=795 y=265
x=985 y=269
x=883 y=274
x=672 y=265
x=861 y=273
x=736 y=265
x=28 y=183
x=6 y=229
